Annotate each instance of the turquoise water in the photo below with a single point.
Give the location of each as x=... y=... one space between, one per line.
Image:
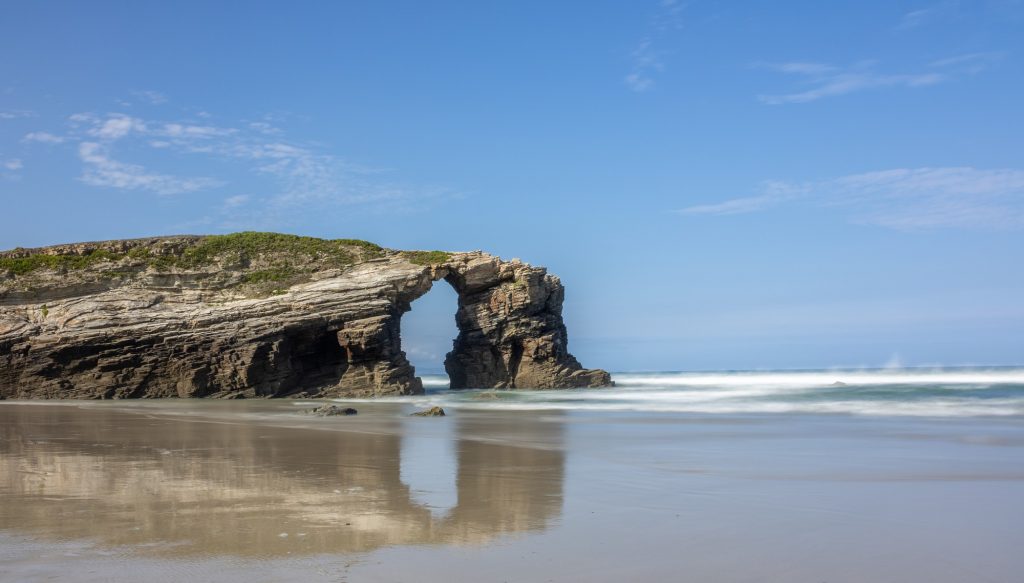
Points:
x=956 y=392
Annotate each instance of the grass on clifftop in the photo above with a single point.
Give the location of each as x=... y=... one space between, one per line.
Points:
x=238 y=248
x=24 y=265
x=250 y=244
x=427 y=257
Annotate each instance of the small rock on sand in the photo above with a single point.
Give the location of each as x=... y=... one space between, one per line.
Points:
x=431 y=412
x=332 y=411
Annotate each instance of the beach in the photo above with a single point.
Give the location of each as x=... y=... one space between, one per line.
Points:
x=166 y=490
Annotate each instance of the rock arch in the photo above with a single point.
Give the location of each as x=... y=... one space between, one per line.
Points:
x=189 y=333
x=511 y=333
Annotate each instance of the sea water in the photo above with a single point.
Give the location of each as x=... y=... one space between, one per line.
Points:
x=917 y=392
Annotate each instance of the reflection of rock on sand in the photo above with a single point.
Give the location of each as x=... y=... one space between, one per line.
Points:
x=191 y=487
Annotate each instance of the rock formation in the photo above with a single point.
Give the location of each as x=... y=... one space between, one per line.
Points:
x=266 y=315
x=434 y=411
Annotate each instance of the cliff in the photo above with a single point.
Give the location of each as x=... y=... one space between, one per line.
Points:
x=266 y=315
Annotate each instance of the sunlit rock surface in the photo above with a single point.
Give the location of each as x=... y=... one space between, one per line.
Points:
x=266 y=315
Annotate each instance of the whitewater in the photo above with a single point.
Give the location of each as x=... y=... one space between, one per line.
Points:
x=958 y=392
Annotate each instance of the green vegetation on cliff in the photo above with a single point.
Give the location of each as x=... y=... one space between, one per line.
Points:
x=250 y=244
x=254 y=264
x=241 y=249
x=427 y=257
x=30 y=263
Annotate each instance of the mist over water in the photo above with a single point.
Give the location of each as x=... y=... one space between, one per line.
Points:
x=958 y=392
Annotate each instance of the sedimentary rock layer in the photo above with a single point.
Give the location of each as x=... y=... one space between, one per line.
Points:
x=266 y=315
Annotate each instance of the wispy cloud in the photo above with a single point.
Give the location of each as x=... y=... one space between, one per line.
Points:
x=265 y=128
x=800 y=68
x=646 y=59
x=902 y=198
x=43 y=138
x=235 y=201
x=13 y=164
x=969 y=63
x=101 y=170
x=823 y=80
x=646 y=62
x=150 y=96
x=298 y=178
x=772 y=194
x=16 y=114
x=926 y=15
x=116 y=126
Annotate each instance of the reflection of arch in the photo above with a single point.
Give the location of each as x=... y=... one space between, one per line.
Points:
x=429 y=464
x=504 y=487
x=124 y=478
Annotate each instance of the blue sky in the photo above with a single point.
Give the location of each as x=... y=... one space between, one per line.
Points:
x=720 y=185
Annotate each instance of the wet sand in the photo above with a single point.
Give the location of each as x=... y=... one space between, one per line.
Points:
x=258 y=491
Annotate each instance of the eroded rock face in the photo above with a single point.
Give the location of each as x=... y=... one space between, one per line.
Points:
x=511 y=333
x=121 y=328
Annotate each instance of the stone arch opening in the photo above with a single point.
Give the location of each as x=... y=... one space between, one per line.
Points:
x=510 y=333
x=428 y=331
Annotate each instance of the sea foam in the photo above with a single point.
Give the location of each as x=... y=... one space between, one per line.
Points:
x=909 y=392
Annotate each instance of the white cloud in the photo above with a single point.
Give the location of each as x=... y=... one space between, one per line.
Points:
x=101 y=170
x=115 y=127
x=16 y=114
x=923 y=16
x=970 y=63
x=638 y=82
x=43 y=138
x=915 y=18
x=773 y=192
x=646 y=60
x=151 y=97
x=77 y=119
x=902 y=198
x=824 y=80
x=12 y=164
x=802 y=68
x=236 y=201
x=186 y=131
x=264 y=128
x=298 y=178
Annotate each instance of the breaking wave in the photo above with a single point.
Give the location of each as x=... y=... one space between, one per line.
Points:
x=918 y=392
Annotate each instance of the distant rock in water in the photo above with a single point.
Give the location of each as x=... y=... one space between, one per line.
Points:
x=431 y=412
x=332 y=411
x=266 y=315
x=839 y=384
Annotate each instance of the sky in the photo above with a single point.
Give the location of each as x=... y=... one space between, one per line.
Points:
x=719 y=185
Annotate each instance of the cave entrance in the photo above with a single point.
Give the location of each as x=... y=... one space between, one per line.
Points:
x=427 y=332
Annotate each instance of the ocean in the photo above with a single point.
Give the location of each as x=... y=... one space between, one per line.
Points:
x=933 y=392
